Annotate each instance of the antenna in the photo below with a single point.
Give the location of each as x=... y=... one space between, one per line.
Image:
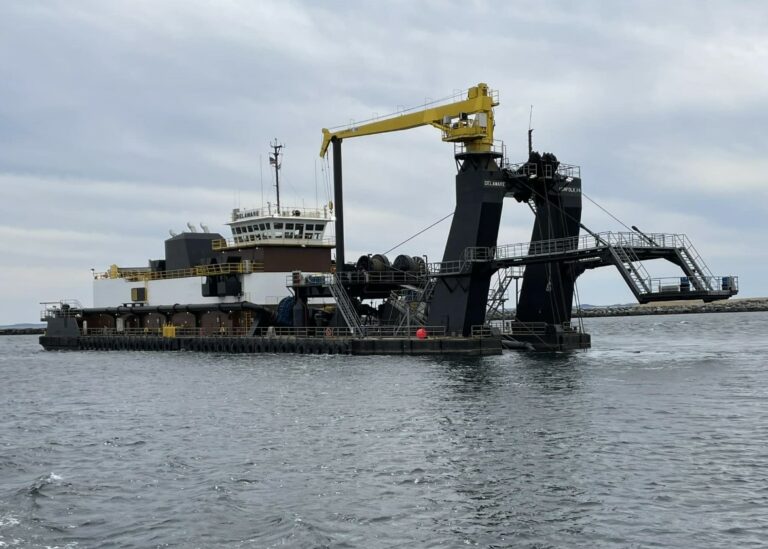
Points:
x=274 y=160
x=530 y=132
x=261 y=179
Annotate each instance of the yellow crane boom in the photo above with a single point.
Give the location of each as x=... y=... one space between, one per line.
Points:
x=469 y=121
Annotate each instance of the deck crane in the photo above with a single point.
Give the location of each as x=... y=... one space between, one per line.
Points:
x=554 y=258
x=468 y=121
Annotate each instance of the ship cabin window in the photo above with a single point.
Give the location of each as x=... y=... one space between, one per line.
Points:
x=313 y=232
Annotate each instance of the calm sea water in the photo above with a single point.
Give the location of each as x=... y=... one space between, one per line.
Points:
x=657 y=437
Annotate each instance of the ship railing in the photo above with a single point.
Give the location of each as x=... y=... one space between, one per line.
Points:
x=215 y=269
x=585 y=242
x=384 y=331
x=532 y=170
x=482 y=331
x=457 y=266
x=515 y=327
x=157 y=331
x=65 y=308
x=684 y=284
x=518 y=327
x=555 y=247
x=301 y=279
x=306 y=241
x=269 y=332
x=460 y=147
x=285 y=211
x=522 y=168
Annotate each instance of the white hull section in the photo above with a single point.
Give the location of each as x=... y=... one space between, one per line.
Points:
x=259 y=288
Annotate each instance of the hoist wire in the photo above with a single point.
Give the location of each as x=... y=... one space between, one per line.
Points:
x=418 y=233
x=607 y=212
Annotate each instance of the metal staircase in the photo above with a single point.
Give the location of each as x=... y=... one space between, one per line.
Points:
x=694 y=267
x=631 y=269
x=497 y=293
x=345 y=306
x=413 y=304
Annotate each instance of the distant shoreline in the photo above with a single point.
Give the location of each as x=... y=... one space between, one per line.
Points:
x=754 y=304
x=21 y=331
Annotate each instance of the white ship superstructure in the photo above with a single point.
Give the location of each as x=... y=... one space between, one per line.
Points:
x=253 y=265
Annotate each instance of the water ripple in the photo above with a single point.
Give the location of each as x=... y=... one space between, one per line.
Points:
x=655 y=438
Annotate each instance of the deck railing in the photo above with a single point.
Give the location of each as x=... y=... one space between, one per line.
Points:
x=140 y=275
x=270 y=332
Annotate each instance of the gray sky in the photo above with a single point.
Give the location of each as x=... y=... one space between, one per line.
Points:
x=121 y=120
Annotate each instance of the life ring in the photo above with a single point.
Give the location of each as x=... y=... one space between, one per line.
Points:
x=328 y=332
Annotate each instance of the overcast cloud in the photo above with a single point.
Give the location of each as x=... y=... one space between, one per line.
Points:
x=121 y=120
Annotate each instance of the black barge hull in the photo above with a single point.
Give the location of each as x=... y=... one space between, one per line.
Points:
x=293 y=345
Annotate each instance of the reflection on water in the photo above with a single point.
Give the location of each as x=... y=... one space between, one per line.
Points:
x=655 y=437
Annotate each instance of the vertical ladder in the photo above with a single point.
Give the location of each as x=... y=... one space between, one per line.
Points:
x=344 y=305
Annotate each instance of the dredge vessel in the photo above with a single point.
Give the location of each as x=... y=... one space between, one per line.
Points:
x=275 y=287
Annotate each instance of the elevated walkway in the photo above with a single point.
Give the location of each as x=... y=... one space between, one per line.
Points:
x=625 y=251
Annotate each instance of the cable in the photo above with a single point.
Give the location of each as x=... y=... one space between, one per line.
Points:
x=606 y=211
x=418 y=233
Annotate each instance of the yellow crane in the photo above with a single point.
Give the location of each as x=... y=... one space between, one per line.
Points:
x=468 y=121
